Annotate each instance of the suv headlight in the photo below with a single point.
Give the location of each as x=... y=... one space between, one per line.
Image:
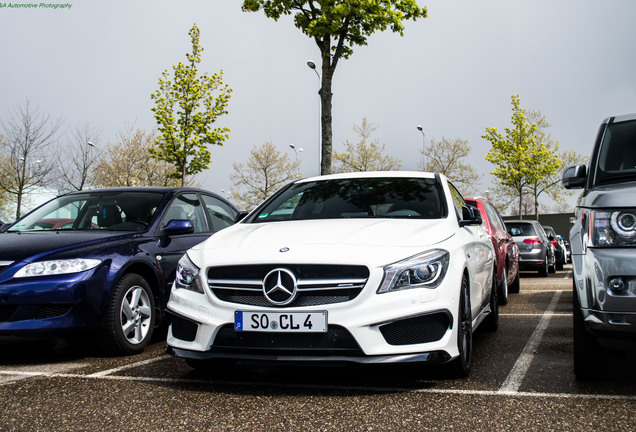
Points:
x=612 y=228
x=56 y=267
x=187 y=275
x=426 y=270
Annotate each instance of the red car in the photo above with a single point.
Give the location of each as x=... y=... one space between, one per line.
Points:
x=506 y=250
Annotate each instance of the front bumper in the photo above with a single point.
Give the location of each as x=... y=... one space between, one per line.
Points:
x=45 y=305
x=406 y=326
x=609 y=314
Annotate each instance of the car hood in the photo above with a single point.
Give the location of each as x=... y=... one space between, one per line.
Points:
x=19 y=246
x=611 y=195
x=368 y=241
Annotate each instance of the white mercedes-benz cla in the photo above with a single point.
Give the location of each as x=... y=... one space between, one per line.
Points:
x=373 y=267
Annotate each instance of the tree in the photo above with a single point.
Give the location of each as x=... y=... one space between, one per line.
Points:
x=77 y=159
x=128 y=163
x=336 y=27
x=265 y=171
x=27 y=163
x=520 y=158
x=198 y=101
x=364 y=155
x=447 y=157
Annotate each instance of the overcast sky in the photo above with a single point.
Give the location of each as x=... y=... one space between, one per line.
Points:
x=454 y=72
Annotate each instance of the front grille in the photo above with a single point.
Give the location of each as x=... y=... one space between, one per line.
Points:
x=417 y=330
x=337 y=340
x=318 y=284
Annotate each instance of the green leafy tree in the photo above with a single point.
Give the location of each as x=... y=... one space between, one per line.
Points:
x=264 y=172
x=521 y=159
x=337 y=26
x=365 y=155
x=186 y=107
x=448 y=157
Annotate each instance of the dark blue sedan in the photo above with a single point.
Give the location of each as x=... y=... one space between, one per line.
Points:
x=102 y=260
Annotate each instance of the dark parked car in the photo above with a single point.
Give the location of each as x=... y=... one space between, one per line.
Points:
x=603 y=245
x=559 y=247
x=536 y=252
x=102 y=260
x=506 y=250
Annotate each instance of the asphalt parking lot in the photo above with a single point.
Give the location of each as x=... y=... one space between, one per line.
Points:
x=521 y=380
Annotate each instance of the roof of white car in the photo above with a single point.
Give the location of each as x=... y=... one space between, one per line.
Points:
x=371 y=174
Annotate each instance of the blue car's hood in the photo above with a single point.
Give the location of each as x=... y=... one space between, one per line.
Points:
x=16 y=247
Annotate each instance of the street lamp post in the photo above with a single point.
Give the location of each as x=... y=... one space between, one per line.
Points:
x=312 y=66
x=296 y=150
x=419 y=128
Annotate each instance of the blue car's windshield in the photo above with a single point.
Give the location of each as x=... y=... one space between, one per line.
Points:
x=385 y=197
x=116 y=211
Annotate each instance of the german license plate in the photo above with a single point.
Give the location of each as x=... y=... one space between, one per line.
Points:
x=284 y=322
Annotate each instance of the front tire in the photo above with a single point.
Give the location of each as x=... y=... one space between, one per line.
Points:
x=515 y=285
x=130 y=317
x=502 y=289
x=587 y=351
x=491 y=322
x=461 y=365
x=543 y=271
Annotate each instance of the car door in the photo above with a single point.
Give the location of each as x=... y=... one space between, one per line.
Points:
x=185 y=206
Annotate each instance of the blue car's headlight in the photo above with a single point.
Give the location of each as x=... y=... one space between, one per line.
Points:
x=426 y=270
x=56 y=267
x=187 y=275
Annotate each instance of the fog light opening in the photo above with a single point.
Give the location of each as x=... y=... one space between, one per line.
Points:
x=617 y=284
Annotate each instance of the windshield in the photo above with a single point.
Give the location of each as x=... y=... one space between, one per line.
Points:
x=617 y=157
x=356 y=198
x=115 y=211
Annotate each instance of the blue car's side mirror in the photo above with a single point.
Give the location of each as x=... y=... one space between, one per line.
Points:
x=179 y=226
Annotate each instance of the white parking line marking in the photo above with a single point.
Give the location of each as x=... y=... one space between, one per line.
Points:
x=517 y=374
x=129 y=366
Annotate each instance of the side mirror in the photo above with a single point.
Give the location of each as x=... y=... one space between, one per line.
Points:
x=574 y=176
x=179 y=226
x=470 y=216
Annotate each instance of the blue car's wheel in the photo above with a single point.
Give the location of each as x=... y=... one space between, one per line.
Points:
x=130 y=317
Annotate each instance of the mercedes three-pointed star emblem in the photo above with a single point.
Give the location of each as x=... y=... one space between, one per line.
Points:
x=279 y=287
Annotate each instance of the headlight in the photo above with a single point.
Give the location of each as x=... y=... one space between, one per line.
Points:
x=614 y=228
x=187 y=275
x=56 y=267
x=426 y=270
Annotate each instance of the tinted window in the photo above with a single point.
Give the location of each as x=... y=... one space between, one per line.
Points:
x=617 y=156
x=493 y=215
x=116 y=211
x=187 y=207
x=356 y=198
x=521 y=229
x=458 y=200
x=221 y=214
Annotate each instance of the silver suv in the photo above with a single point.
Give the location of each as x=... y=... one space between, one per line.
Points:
x=603 y=244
